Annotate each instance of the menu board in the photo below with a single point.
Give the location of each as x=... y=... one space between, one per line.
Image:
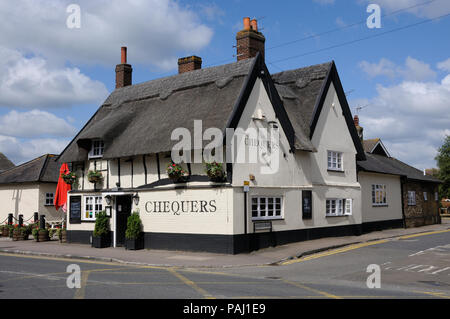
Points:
x=75 y=210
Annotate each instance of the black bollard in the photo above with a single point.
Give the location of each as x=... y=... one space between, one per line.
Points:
x=36 y=217
x=20 y=220
x=10 y=219
x=42 y=222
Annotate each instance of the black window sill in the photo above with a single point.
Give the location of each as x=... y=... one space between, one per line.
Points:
x=330 y=216
x=335 y=171
x=380 y=205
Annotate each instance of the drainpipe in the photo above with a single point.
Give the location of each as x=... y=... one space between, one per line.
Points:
x=403 y=201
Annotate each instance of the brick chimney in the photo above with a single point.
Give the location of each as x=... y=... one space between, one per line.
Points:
x=359 y=129
x=123 y=70
x=189 y=63
x=249 y=41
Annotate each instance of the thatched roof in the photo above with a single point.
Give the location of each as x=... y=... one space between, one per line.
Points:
x=5 y=163
x=42 y=169
x=138 y=119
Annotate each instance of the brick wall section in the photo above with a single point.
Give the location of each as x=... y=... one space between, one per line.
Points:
x=249 y=43
x=424 y=212
x=189 y=64
x=123 y=75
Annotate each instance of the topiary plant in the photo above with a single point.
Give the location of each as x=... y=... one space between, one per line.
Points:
x=134 y=226
x=101 y=224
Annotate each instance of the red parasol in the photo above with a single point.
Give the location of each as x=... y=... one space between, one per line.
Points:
x=62 y=188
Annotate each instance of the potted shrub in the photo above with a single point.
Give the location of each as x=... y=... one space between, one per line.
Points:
x=215 y=172
x=43 y=235
x=133 y=234
x=94 y=176
x=62 y=235
x=69 y=178
x=101 y=237
x=176 y=172
x=5 y=231
x=35 y=233
x=17 y=233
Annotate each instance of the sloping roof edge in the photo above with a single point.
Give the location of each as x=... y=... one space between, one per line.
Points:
x=333 y=76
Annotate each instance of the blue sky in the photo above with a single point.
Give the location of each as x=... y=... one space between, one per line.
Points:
x=52 y=79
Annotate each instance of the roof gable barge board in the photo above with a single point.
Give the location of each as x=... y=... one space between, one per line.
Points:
x=259 y=70
x=333 y=77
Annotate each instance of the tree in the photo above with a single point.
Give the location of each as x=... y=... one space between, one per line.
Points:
x=443 y=162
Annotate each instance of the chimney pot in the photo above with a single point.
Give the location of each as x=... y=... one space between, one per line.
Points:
x=356 y=120
x=254 y=25
x=123 y=55
x=246 y=23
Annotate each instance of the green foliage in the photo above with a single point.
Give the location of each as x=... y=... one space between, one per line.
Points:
x=69 y=178
x=443 y=162
x=175 y=171
x=101 y=224
x=94 y=176
x=35 y=232
x=134 y=226
x=215 y=171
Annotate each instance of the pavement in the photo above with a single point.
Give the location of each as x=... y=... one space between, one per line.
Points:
x=267 y=256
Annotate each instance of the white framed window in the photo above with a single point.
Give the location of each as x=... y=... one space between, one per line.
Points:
x=425 y=196
x=49 y=199
x=92 y=206
x=97 y=149
x=379 y=195
x=266 y=207
x=339 y=207
x=335 y=161
x=411 y=198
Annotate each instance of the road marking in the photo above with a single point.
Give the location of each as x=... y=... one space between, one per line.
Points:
x=323 y=293
x=80 y=292
x=435 y=294
x=190 y=283
x=424 y=234
x=333 y=252
x=441 y=270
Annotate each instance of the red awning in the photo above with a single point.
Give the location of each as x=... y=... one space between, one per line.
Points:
x=62 y=188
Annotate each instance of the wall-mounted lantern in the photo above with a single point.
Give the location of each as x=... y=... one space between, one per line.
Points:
x=108 y=199
x=136 y=199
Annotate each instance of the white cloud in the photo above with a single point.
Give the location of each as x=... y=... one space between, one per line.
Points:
x=429 y=10
x=155 y=31
x=20 y=151
x=32 y=82
x=412 y=118
x=34 y=123
x=413 y=70
x=382 y=68
x=444 y=65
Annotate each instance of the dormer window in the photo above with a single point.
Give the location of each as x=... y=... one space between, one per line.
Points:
x=97 y=149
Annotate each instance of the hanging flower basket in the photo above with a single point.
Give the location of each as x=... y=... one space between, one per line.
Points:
x=175 y=172
x=69 y=178
x=94 y=176
x=215 y=172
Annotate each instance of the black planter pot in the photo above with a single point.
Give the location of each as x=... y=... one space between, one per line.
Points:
x=102 y=241
x=135 y=244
